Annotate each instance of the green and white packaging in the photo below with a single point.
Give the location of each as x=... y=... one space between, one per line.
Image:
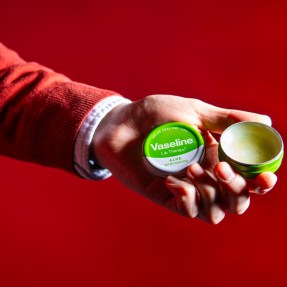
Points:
x=170 y=148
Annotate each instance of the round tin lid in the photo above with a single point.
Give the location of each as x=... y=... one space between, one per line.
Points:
x=170 y=148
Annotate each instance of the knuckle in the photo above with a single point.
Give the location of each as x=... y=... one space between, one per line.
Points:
x=236 y=186
x=209 y=193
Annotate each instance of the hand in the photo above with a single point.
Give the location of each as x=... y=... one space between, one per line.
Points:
x=208 y=190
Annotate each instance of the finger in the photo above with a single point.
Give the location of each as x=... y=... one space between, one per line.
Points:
x=263 y=183
x=185 y=201
x=234 y=188
x=217 y=119
x=210 y=209
x=211 y=152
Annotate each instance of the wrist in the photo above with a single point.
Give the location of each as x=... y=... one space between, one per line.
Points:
x=104 y=146
x=85 y=162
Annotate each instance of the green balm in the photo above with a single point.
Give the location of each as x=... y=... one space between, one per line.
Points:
x=170 y=148
x=251 y=148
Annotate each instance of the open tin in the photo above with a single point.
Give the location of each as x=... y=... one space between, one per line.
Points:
x=251 y=148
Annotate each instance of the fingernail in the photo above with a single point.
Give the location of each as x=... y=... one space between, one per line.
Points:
x=242 y=204
x=261 y=190
x=225 y=172
x=195 y=170
x=216 y=214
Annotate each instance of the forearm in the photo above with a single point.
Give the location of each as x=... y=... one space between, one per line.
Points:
x=41 y=111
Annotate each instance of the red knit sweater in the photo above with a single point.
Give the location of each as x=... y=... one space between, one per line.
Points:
x=41 y=111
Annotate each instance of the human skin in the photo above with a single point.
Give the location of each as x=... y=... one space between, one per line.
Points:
x=208 y=190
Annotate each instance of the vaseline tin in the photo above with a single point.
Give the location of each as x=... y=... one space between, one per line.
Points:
x=170 y=148
x=251 y=148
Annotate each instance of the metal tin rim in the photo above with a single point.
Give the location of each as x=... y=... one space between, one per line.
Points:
x=257 y=164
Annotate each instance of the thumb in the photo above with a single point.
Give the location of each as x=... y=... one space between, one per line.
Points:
x=215 y=119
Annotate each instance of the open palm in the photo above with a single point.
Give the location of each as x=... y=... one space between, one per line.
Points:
x=118 y=147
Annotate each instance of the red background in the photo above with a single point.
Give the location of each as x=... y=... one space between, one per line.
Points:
x=59 y=230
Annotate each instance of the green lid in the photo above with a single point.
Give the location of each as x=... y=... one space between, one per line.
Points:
x=170 y=148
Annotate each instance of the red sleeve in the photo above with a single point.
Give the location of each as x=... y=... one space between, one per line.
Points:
x=41 y=111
